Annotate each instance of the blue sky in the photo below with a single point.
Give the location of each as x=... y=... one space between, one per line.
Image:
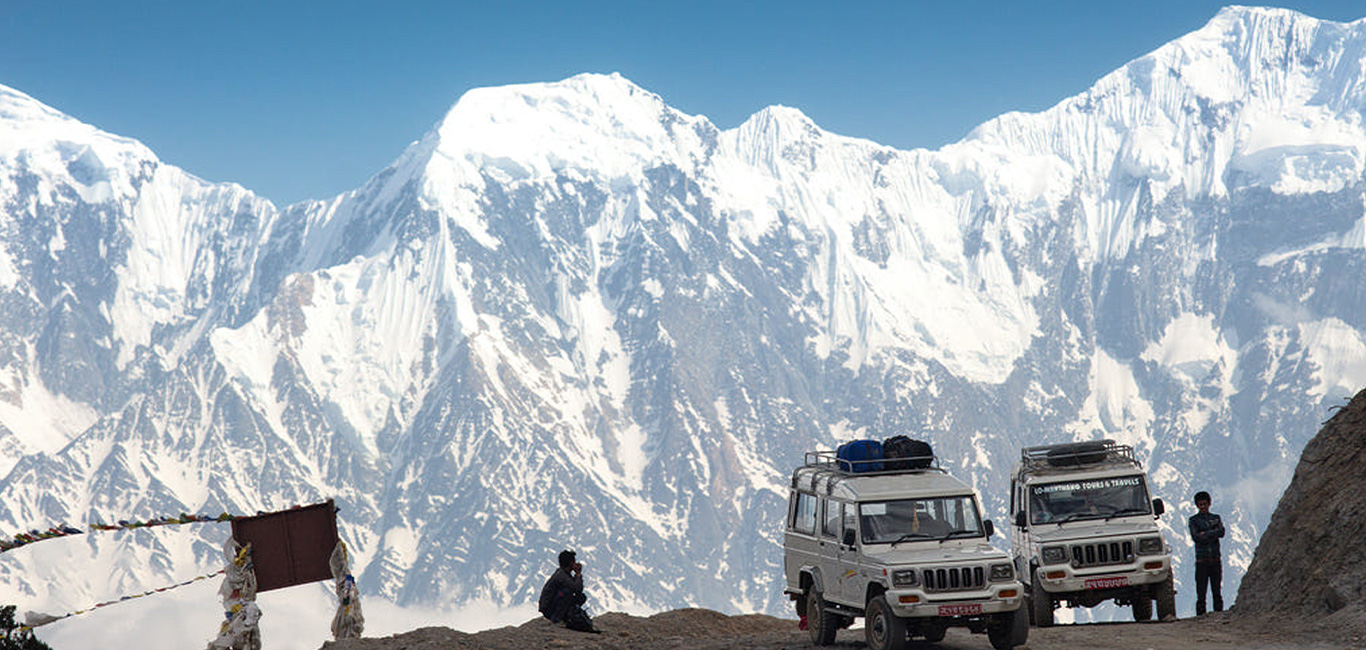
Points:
x=305 y=100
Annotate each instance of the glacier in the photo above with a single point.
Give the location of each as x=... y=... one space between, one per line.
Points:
x=570 y=315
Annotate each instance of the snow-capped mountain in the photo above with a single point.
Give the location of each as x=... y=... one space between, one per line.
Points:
x=573 y=316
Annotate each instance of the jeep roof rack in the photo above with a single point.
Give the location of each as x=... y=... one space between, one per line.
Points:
x=1076 y=454
x=829 y=460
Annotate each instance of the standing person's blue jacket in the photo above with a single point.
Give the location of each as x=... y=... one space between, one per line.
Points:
x=1206 y=529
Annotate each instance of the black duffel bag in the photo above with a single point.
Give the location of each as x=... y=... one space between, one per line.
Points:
x=902 y=453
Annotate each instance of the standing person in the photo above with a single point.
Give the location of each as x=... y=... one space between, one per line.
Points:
x=562 y=596
x=1206 y=529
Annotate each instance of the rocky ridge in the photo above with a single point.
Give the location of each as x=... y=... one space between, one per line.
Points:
x=1309 y=569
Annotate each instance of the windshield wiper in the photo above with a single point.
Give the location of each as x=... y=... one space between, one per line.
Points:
x=1127 y=511
x=951 y=533
x=909 y=536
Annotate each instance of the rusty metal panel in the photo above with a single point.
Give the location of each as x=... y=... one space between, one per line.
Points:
x=290 y=547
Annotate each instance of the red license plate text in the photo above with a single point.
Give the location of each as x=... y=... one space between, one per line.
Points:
x=960 y=610
x=1106 y=583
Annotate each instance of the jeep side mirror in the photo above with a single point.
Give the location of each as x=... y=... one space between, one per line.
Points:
x=849 y=537
x=1158 y=507
x=990 y=527
x=1020 y=519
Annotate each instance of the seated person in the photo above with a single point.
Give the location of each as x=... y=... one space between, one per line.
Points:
x=562 y=596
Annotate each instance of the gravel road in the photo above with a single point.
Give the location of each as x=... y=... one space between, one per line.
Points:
x=698 y=629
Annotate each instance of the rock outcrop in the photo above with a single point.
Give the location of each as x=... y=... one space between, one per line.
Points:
x=1309 y=564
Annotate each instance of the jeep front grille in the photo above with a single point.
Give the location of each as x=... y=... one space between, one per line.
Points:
x=955 y=579
x=1084 y=555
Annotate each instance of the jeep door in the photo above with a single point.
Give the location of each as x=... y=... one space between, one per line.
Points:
x=852 y=580
x=1019 y=534
x=800 y=540
x=840 y=560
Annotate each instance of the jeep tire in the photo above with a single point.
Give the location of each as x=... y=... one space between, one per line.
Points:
x=821 y=624
x=934 y=632
x=1166 y=600
x=1008 y=630
x=1040 y=604
x=883 y=629
x=1142 y=606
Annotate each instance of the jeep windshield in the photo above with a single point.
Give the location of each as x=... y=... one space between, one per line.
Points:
x=1101 y=498
x=909 y=520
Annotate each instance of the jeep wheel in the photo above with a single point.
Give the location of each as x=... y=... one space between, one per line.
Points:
x=1008 y=630
x=883 y=629
x=1040 y=604
x=934 y=633
x=1142 y=606
x=1166 y=600
x=821 y=624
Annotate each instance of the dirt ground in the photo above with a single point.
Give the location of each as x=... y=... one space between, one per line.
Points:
x=698 y=629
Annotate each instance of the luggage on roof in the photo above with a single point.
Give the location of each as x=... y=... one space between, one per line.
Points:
x=860 y=456
x=1079 y=453
x=902 y=453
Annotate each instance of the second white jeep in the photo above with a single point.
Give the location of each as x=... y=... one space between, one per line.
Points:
x=1085 y=532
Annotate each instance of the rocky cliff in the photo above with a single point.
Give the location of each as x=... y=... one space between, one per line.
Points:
x=1309 y=564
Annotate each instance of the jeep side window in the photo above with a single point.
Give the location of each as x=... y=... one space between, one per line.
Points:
x=804 y=518
x=833 y=515
x=1014 y=498
x=1017 y=500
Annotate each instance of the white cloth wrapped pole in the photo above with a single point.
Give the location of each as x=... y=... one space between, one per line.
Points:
x=240 y=630
x=349 y=622
x=39 y=619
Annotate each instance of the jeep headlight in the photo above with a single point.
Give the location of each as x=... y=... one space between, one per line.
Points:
x=1054 y=554
x=1002 y=572
x=1150 y=546
x=904 y=578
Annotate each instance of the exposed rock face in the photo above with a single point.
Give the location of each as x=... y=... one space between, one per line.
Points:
x=1310 y=562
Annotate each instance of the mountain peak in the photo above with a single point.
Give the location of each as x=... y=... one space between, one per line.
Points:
x=16 y=106
x=68 y=153
x=47 y=139
x=790 y=122
x=1252 y=15
x=777 y=137
x=589 y=122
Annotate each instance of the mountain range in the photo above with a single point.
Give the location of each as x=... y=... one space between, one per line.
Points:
x=571 y=315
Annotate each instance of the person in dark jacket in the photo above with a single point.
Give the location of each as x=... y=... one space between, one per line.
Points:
x=1206 y=529
x=563 y=592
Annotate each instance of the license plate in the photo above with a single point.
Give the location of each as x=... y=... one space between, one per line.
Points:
x=960 y=610
x=1107 y=583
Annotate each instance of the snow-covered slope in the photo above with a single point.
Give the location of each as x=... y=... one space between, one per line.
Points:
x=572 y=316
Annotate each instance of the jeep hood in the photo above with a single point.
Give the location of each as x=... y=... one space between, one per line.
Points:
x=933 y=553
x=1091 y=530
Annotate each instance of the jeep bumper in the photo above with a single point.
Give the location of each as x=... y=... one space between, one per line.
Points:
x=994 y=599
x=1063 y=578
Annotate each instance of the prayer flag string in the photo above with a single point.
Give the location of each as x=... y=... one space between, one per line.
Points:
x=35 y=619
x=63 y=530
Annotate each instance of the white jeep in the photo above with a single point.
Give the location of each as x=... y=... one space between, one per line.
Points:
x=904 y=548
x=1085 y=532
